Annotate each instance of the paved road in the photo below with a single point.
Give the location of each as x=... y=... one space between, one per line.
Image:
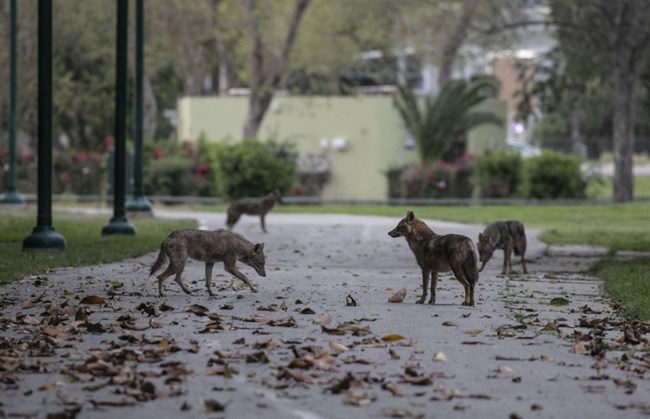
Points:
x=296 y=350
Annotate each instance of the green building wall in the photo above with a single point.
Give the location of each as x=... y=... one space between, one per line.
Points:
x=369 y=125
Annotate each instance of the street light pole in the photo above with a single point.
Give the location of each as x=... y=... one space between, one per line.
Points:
x=44 y=236
x=12 y=196
x=138 y=203
x=119 y=224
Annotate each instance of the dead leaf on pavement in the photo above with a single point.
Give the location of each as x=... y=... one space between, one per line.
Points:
x=323 y=319
x=212 y=405
x=394 y=390
x=579 y=348
x=92 y=299
x=474 y=331
x=392 y=338
x=337 y=347
x=559 y=301
x=398 y=297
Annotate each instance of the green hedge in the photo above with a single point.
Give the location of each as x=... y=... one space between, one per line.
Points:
x=250 y=168
x=554 y=175
x=499 y=174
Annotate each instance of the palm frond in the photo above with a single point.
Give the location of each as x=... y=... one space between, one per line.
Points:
x=444 y=118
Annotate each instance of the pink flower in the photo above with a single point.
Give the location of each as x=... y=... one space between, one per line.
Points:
x=159 y=153
x=109 y=141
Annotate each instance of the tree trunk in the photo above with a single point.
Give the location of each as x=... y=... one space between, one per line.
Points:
x=629 y=51
x=578 y=146
x=265 y=79
x=150 y=121
x=450 y=50
x=623 y=120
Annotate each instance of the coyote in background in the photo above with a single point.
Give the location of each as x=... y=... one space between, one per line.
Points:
x=439 y=253
x=209 y=247
x=252 y=206
x=507 y=235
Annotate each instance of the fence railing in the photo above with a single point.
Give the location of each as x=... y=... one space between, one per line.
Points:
x=305 y=200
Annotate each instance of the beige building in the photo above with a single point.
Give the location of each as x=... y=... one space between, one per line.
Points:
x=362 y=137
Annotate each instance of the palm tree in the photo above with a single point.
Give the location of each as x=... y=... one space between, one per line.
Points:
x=447 y=117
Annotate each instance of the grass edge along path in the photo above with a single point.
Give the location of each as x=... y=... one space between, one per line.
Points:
x=627 y=283
x=84 y=244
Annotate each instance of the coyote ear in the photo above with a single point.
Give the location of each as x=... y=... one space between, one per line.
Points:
x=480 y=236
x=258 y=247
x=409 y=216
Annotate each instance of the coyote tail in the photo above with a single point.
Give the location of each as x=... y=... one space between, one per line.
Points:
x=470 y=266
x=158 y=263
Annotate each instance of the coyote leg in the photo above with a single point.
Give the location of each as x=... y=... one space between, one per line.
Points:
x=434 y=285
x=179 y=281
x=161 y=278
x=232 y=269
x=208 y=277
x=425 y=284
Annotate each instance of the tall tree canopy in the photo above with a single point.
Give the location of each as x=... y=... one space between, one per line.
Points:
x=614 y=35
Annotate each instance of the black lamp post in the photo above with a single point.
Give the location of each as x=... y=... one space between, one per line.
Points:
x=138 y=203
x=119 y=224
x=44 y=236
x=12 y=196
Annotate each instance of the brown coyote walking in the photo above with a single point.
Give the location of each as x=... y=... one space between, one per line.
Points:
x=252 y=206
x=507 y=235
x=439 y=253
x=209 y=247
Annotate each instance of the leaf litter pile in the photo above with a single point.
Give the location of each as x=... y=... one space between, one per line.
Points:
x=104 y=353
x=85 y=352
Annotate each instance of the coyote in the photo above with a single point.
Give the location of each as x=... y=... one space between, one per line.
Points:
x=507 y=235
x=252 y=206
x=209 y=247
x=439 y=253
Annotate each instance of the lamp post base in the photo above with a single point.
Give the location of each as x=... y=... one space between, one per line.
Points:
x=12 y=198
x=44 y=238
x=118 y=225
x=139 y=206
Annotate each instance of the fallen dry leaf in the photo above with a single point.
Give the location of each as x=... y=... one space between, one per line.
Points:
x=350 y=302
x=474 y=331
x=337 y=347
x=398 y=297
x=579 y=348
x=394 y=390
x=440 y=356
x=92 y=299
x=323 y=319
x=392 y=338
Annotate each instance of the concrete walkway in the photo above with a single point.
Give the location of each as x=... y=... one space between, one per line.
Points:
x=296 y=350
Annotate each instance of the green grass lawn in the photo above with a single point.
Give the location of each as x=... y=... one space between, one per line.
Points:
x=84 y=243
x=627 y=283
x=602 y=188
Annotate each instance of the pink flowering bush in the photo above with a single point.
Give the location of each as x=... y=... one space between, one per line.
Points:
x=440 y=179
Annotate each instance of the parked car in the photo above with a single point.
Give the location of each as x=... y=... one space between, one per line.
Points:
x=524 y=148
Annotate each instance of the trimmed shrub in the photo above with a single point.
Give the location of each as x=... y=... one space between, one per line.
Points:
x=554 y=175
x=251 y=168
x=171 y=176
x=499 y=174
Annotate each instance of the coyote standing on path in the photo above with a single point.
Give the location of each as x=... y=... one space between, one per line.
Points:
x=439 y=253
x=252 y=206
x=507 y=235
x=209 y=247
